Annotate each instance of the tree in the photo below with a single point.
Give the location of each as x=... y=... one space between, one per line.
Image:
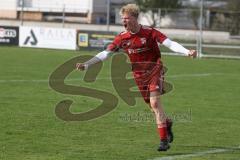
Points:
x=146 y=5
x=234 y=8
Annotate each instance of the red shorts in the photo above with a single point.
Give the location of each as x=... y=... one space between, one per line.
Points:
x=150 y=81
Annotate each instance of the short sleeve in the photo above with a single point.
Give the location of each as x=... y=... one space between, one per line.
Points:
x=159 y=36
x=115 y=45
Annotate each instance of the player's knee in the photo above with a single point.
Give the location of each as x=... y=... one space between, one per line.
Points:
x=154 y=104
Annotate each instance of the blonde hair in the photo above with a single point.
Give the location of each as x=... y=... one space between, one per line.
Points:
x=131 y=9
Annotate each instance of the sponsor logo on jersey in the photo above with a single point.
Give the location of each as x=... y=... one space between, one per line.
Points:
x=126 y=44
x=138 y=50
x=143 y=41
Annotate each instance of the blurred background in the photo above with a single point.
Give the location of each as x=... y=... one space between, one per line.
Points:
x=204 y=24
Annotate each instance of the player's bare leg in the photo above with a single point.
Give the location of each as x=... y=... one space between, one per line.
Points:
x=164 y=127
x=157 y=107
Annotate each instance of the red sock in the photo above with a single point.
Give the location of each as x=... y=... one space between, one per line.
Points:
x=162 y=130
x=168 y=121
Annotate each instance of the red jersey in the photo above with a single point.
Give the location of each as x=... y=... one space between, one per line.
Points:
x=142 y=47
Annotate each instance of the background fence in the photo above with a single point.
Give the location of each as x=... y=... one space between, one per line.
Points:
x=209 y=27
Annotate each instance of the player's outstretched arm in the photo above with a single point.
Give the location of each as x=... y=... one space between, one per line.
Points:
x=101 y=56
x=176 y=47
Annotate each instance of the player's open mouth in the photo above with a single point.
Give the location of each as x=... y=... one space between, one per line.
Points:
x=125 y=25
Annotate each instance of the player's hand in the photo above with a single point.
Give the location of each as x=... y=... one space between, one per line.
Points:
x=192 y=53
x=80 y=66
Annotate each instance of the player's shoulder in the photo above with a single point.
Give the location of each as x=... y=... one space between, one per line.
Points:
x=150 y=29
x=147 y=29
x=123 y=34
x=144 y=27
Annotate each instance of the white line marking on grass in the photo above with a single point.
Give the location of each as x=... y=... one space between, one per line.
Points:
x=194 y=75
x=108 y=78
x=35 y=80
x=197 y=154
x=22 y=80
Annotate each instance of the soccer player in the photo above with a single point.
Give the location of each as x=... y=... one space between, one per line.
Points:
x=141 y=45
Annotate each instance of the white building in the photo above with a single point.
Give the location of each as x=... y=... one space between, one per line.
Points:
x=8 y=9
x=85 y=11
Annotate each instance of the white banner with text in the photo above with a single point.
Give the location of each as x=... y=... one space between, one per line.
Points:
x=44 y=37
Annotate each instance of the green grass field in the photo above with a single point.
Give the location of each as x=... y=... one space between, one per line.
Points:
x=204 y=105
